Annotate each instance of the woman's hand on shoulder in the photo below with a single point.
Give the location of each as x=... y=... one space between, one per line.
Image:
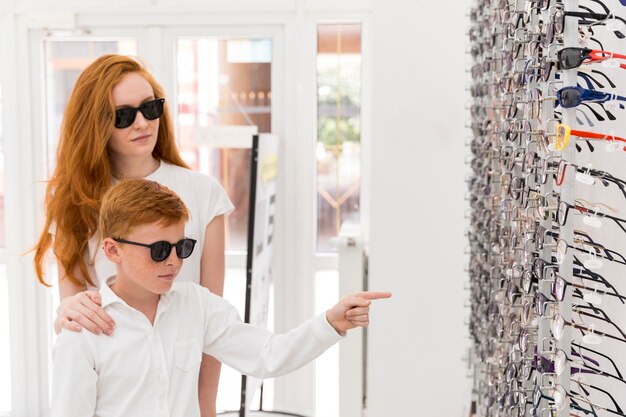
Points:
x=83 y=310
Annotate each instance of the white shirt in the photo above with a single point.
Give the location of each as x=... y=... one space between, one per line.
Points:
x=152 y=371
x=204 y=197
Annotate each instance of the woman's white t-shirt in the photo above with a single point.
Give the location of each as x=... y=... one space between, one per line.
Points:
x=204 y=197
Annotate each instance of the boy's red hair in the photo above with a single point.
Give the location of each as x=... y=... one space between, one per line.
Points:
x=132 y=203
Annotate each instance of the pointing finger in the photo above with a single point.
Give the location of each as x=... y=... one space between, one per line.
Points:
x=364 y=299
x=374 y=295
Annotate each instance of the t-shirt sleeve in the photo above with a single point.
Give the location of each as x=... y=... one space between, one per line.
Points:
x=74 y=380
x=214 y=199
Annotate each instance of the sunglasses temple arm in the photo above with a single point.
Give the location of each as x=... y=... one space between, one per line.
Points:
x=593 y=277
x=599 y=354
x=611 y=83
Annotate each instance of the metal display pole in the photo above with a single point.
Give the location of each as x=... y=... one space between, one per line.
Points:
x=544 y=285
x=566 y=231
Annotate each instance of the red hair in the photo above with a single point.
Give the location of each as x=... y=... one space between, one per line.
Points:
x=132 y=203
x=83 y=168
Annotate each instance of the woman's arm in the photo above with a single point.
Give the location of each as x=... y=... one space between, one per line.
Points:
x=212 y=260
x=80 y=308
x=211 y=277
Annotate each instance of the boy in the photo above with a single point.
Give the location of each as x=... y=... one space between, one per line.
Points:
x=150 y=366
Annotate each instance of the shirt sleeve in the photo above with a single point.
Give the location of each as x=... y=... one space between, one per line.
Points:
x=74 y=378
x=256 y=351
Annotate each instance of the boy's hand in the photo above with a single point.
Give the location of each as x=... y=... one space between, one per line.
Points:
x=83 y=310
x=353 y=311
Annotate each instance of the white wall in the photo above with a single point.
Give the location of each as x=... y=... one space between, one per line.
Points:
x=418 y=338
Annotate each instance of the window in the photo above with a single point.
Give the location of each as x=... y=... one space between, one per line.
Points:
x=223 y=83
x=338 y=155
x=338 y=148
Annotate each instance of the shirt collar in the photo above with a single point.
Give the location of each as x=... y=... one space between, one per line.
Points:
x=109 y=297
x=106 y=293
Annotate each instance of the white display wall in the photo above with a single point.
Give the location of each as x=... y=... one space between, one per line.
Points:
x=548 y=207
x=418 y=339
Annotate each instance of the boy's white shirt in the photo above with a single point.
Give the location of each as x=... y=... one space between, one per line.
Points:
x=145 y=370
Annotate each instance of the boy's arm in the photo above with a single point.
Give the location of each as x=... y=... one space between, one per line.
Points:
x=74 y=377
x=258 y=352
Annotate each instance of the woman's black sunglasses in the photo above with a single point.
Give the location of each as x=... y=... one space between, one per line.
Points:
x=150 y=110
x=160 y=251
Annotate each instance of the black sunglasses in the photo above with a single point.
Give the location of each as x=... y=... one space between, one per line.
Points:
x=161 y=250
x=150 y=110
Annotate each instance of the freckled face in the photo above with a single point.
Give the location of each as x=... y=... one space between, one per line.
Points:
x=137 y=267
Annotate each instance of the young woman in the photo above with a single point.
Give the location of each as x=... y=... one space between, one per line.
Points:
x=116 y=125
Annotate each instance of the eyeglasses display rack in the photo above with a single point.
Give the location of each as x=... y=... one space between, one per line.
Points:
x=547 y=198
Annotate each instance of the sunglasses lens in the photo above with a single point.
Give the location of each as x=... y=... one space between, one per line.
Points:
x=510 y=372
x=561 y=251
x=537 y=396
x=511 y=293
x=558 y=289
x=559 y=21
x=527 y=369
x=570 y=58
x=527 y=281
x=523 y=340
x=558 y=324
x=560 y=397
x=559 y=362
x=184 y=248
x=153 y=109
x=160 y=250
x=560 y=175
x=538 y=268
x=124 y=117
x=540 y=236
x=569 y=97
x=546 y=69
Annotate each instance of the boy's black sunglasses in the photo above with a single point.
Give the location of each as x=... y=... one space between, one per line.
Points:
x=160 y=251
x=151 y=110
